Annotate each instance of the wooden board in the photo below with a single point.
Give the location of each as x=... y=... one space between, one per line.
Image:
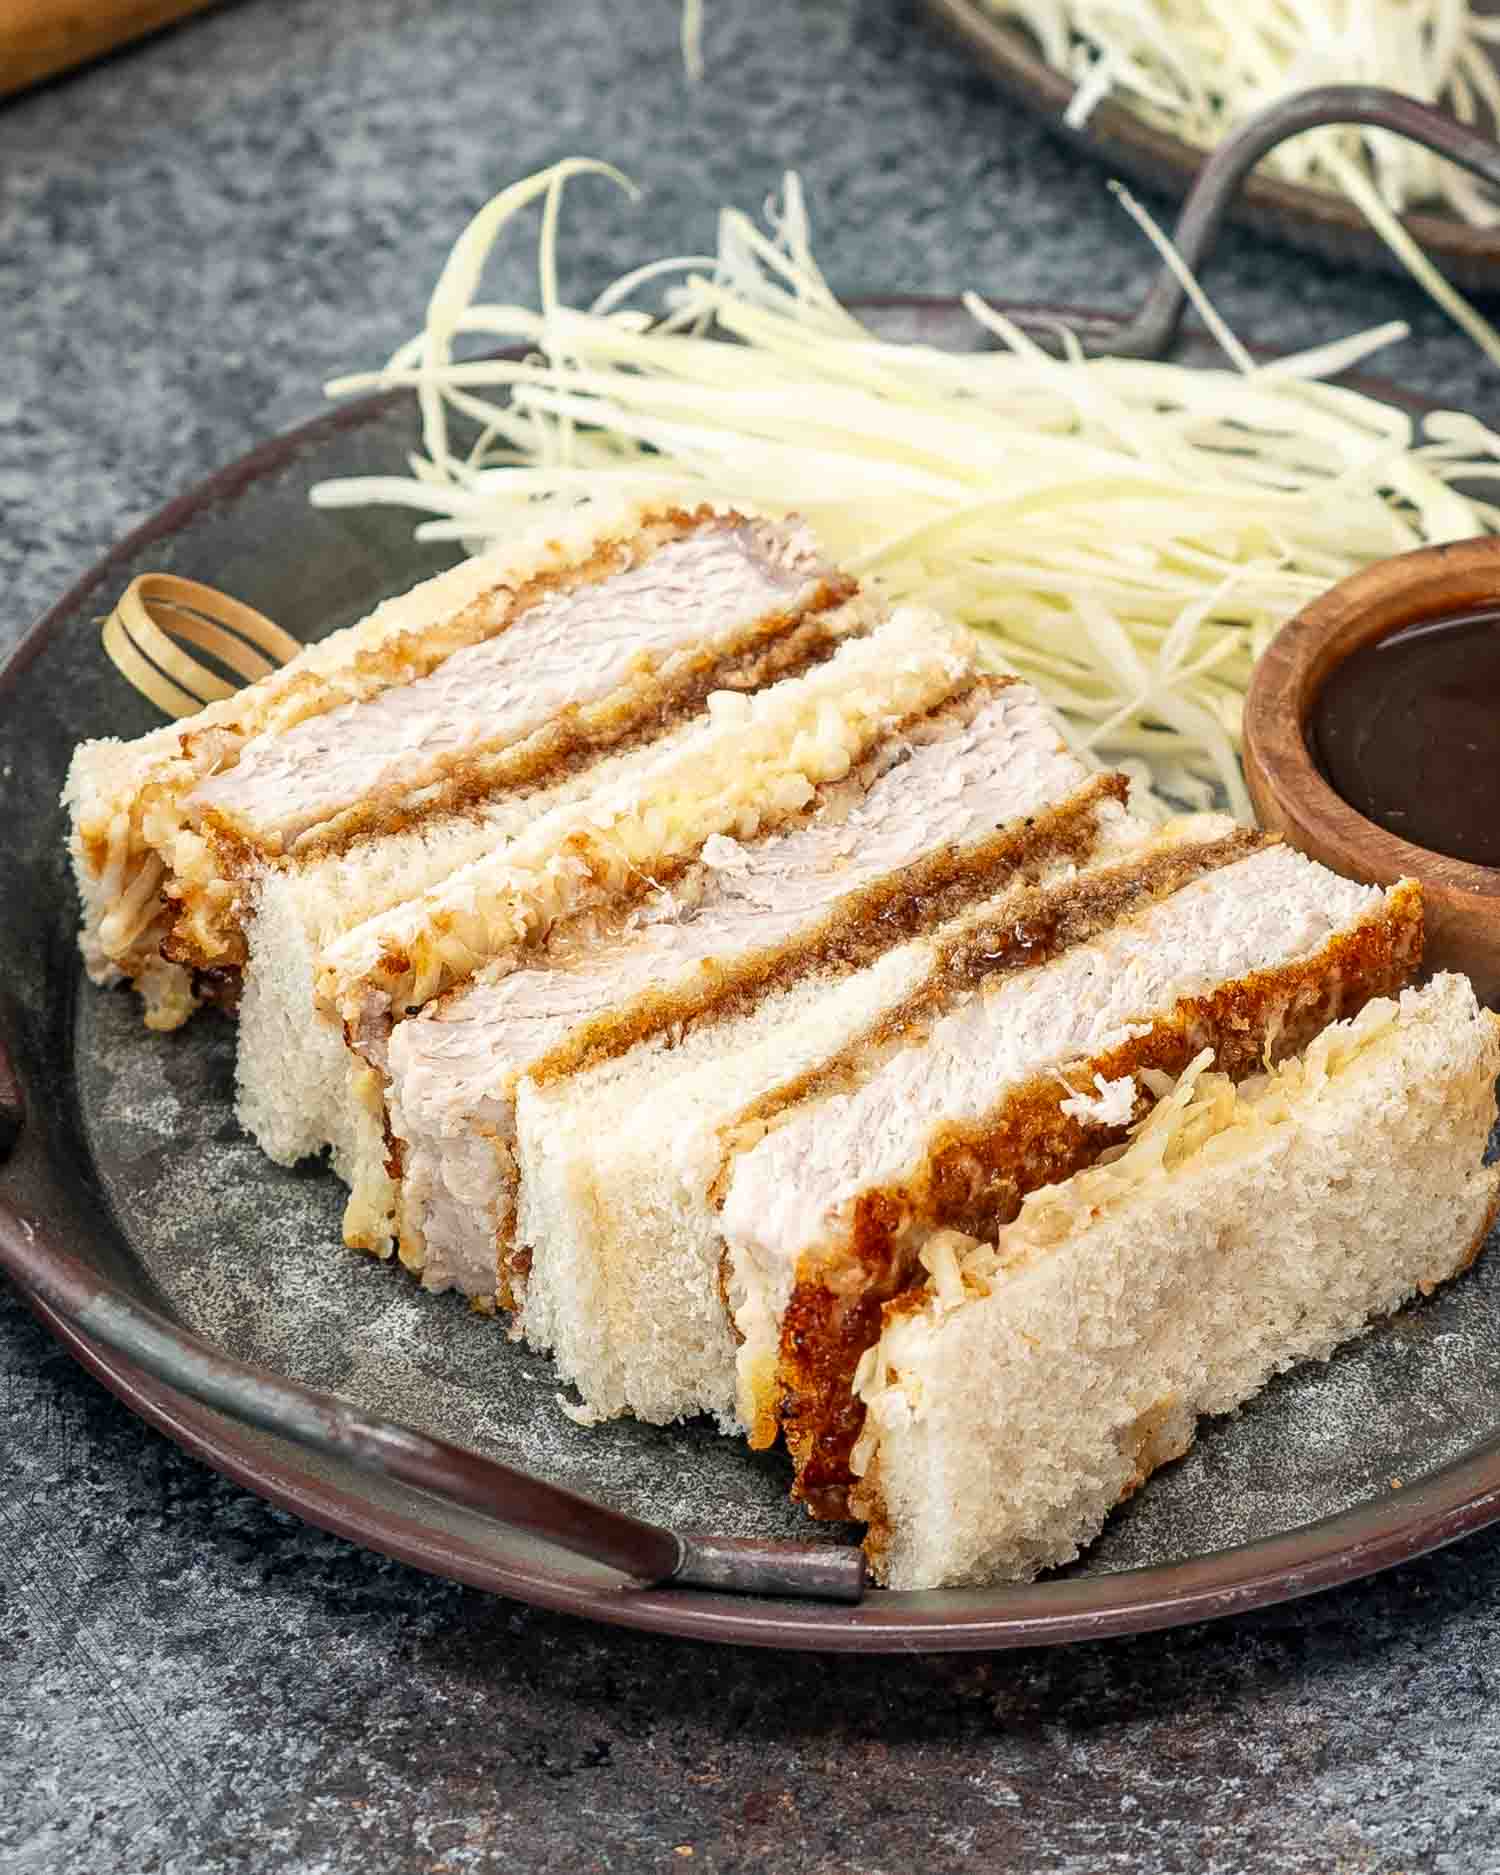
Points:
x=39 y=38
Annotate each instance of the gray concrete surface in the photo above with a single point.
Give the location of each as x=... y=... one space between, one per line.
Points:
x=193 y=236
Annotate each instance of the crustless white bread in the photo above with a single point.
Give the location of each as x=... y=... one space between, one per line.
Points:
x=1036 y=1379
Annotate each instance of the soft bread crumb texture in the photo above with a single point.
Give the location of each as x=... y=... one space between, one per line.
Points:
x=969 y=1169
x=619 y=1280
x=1037 y=1379
x=755 y=767
x=619 y=1161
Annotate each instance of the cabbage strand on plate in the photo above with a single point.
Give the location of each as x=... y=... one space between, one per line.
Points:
x=1126 y=535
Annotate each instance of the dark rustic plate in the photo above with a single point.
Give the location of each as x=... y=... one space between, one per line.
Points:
x=132 y=1155
x=1317 y=221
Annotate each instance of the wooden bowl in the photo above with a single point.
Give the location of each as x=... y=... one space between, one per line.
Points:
x=1290 y=794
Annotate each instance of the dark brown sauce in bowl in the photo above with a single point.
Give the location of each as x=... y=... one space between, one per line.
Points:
x=1407 y=730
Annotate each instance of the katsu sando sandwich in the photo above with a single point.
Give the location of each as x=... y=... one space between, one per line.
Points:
x=619 y=1158
x=941 y=807
x=508 y=673
x=1036 y=1376
x=291 y=1064
x=754 y=768
x=1016 y=1079
x=715 y=1223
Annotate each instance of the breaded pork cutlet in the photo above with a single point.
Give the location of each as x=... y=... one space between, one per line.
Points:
x=502 y=674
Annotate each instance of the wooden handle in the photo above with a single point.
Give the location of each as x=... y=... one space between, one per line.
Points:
x=39 y=38
x=158 y=609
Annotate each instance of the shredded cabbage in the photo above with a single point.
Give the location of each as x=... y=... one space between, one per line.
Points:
x=1127 y=536
x=1198 y=69
x=1201 y=1115
x=691 y=31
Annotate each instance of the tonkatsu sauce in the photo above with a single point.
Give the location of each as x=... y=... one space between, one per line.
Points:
x=1408 y=732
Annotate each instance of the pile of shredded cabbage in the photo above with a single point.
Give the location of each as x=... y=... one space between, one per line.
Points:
x=1128 y=536
x=1198 y=69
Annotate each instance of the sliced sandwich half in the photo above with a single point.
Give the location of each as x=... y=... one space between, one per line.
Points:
x=1015 y=1079
x=942 y=808
x=755 y=767
x=1038 y=1377
x=620 y=1161
x=504 y=672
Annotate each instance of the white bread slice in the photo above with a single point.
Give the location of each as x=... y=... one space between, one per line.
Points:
x=937 y=814
x=618 y=1163
x=618 y=1279
x=1038 y=1380
x=160 y=835
x=755 y=767
x=1020 y=1081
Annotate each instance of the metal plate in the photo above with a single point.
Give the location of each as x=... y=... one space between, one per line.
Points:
x=1318 y=221
x=132 y=1154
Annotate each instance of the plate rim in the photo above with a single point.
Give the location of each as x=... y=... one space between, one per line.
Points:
x=1372 y=1535
x=1355 y=1544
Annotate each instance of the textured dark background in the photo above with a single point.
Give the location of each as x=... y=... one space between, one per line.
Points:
x=192 y=237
